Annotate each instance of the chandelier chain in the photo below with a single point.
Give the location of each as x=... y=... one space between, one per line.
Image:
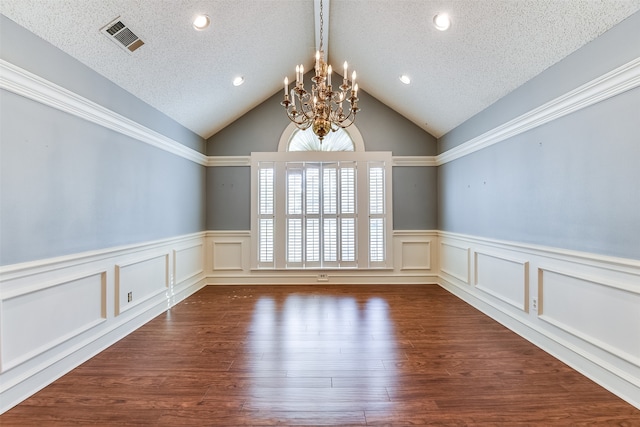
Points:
x=321 y=25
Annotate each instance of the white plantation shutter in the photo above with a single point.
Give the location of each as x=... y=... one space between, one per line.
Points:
x=313 y=190
x=294 y=241
x=313 y=240
x=348 y=190
x=330 y=240
x=322 y=221
x=266 y=241
x=330 y=189
x=348 y=239
x=266 y=201
x=294 y=214
x=313 y=215
x=376 y=214
x=348 y=210
x=266 y=190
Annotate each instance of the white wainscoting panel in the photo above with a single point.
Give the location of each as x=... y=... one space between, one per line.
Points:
x=416 y=256
x=504 y=278
x=229 y=262
x=37 y=321
x=413 y=251
x=228 y=256
x=581 y=307
x=598 y=312
x=454 y=260
x=142 y=279
x=56 y=313
x=187 y=262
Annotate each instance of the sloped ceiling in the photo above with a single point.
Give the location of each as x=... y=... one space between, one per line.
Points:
x=492 y=47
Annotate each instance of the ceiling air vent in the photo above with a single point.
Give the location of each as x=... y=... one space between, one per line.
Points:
x=121 y=35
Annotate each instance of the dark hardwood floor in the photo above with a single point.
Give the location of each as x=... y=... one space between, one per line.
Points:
x=323 y=355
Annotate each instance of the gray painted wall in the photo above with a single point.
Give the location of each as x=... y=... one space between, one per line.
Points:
x=572 y=183
x=229 y=188
x=415 y=196
x=68 y=185
x=381 y=127
x=228 y=198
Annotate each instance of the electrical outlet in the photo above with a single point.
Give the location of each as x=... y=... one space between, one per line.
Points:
x=534 y=304
x=130 y=297
x=322 y=277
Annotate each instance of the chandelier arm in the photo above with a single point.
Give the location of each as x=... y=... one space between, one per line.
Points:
x=309 y=112
x=343 y=125
x=292 y=98
x=349 y=118
x=298 y=118
x=305 y=124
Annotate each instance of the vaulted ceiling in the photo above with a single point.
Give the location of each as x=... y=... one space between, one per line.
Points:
x=492 y=47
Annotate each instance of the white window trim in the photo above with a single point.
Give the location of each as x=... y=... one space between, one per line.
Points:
x=280 y=159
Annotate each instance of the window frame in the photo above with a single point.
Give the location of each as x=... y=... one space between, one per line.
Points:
x=362 y=160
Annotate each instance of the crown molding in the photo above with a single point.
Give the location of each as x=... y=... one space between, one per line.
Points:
x=29 y=85
x=414 y=161
x=613 y=83
x=228 y=161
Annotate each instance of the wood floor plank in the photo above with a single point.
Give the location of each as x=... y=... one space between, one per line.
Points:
x=261 y=418
x=322 y=355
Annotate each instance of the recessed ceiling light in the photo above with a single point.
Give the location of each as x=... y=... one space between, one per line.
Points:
x=201 y=22
x=442 y=21
x=405 y=79
x=238 y=81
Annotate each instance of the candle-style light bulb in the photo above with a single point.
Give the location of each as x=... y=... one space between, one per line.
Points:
x=353 y=77
x=355 y=89
x=302 y=73
x=297 y=74
x=344 y=76
x=286 y=85
x=329 y=71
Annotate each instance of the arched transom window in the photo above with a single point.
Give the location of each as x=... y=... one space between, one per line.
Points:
x=342 y=140
x=306 y=140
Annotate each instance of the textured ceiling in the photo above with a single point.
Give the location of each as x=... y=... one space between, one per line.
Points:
x=492 y=47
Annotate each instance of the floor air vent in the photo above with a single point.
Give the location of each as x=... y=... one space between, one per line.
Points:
x=121 y=35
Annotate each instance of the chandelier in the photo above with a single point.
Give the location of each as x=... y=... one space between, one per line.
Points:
x=322 y=108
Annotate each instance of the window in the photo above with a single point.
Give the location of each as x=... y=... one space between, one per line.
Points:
x=321 y=210
x=308 y=141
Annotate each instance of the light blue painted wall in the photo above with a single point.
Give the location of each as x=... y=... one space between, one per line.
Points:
x=571 y=183
x=28 y=51
x=611 y=50
x=68 y=185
